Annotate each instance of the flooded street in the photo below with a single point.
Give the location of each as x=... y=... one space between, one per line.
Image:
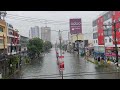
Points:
x=75 y=68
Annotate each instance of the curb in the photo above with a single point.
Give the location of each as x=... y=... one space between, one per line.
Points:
x=96 y=63
x=102 y=64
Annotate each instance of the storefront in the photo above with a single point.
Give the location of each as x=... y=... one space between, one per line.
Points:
x=99 y=51
x=111 y=54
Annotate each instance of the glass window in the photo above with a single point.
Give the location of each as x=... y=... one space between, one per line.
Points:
x=106 y=40
x=109 y=32
x=110 y=39
x=1 y=29
x=96 y=41
x=109 y=23
x=1 y=41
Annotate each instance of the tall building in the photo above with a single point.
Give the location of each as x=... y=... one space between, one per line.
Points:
x=3 y=36
x=46 y=33
x=103 y=37
x=13 y=40
x=23 y=41
x=34 y=32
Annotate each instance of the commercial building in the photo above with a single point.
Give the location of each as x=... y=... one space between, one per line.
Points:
x=13 y=40
x=35 y=32
x=103 y=38
x=23 y=42
x=3 y=36
x=46 y=33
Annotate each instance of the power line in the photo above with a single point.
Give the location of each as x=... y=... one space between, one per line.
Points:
x=37 y=21
x=40 y=20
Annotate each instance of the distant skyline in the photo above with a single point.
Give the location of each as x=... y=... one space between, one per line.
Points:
x=24 y=26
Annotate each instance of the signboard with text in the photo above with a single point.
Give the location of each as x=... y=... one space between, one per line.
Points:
x=75 y=26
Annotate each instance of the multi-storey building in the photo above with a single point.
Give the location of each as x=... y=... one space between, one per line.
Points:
x=23 y=42
x=103 y=38
x=3 y=36
x=46 y=33
x=13 y=40
x=34 y=32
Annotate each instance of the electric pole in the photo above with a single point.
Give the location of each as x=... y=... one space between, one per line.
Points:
x=60 y=42
x=116 y=48
x=60 y=37
x=115 y=38
x=77 y=44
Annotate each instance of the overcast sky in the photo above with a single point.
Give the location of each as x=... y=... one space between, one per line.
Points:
x=24 y=26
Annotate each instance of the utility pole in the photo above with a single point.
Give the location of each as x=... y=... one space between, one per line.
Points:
x=60 y=37
x=115 y=39
x=60 y=42
x=77 y=44
x=116 y=48
x=4 y=55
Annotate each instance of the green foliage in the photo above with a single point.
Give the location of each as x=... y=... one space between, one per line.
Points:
x=47 y=45
x=27 y=60
x=14 y=60
x=35 y=46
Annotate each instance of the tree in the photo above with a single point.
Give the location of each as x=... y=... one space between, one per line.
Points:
x=47 y=45
x=35 y=47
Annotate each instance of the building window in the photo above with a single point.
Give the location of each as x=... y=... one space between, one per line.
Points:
x=109 y=23
x=96 y=41
x=110 y=39
x=1 y=41
x=1 y=29
x=106 y=40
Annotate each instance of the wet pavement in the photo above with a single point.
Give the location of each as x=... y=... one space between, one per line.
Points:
x=75 y=68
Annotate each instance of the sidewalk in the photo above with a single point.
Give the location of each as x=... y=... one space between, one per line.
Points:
x=90 y=59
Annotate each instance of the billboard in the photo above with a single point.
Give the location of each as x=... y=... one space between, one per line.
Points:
x=75 y=26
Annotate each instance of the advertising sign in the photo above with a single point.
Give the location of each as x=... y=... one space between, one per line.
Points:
x=75 y=26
